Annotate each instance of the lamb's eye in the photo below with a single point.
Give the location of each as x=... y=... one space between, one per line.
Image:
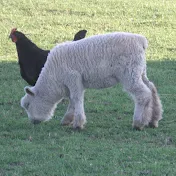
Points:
x=26 y=105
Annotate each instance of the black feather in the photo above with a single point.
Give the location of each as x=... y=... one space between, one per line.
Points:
x=31 y=58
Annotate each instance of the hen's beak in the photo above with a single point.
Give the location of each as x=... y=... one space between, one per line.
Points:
x=13 y=38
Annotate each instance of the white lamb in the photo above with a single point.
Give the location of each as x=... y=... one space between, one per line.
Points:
x=99 y=61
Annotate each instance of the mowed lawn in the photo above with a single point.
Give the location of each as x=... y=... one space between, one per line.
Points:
x=108 y=146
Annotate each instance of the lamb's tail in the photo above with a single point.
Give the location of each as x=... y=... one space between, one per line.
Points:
x=145 y=44
x=157 y=106
x=143 y=40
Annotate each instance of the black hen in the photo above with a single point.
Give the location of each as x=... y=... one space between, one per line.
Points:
x=32 y=58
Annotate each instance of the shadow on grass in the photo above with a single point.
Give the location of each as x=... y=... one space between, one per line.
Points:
x=162 y=73
x=10 y=71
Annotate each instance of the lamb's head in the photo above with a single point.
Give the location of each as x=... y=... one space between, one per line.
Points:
x=37 y=108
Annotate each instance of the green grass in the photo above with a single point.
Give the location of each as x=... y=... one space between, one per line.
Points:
x=107 y=146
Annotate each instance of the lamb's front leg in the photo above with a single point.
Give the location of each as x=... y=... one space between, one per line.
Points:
x=69 y=115
x=75 y=113
x=79 y=115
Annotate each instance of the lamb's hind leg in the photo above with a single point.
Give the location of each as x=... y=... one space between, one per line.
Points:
x=142 y=96
x=157 y=106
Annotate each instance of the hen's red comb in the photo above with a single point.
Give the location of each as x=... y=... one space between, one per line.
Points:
x=13 y=30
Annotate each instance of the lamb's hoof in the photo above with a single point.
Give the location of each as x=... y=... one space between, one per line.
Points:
x=67 y=120
x=153 y=124
x=65 y=123
x=79 y=122
x=77 y=127
x=138 y=126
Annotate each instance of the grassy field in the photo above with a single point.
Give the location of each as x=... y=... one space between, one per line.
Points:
x=108 y=146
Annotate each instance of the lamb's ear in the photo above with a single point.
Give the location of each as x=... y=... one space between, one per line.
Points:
x=29 y=91
x=80 y=35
